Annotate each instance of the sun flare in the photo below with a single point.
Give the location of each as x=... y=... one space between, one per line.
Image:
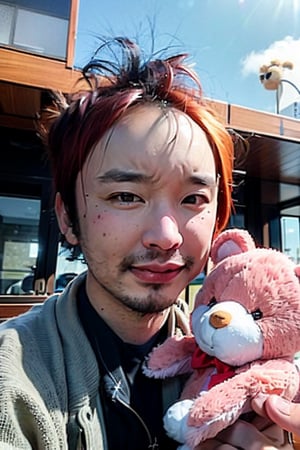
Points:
x=293 y=5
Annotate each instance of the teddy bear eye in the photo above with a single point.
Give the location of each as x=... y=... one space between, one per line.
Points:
x=212 y=302
x=257 y=314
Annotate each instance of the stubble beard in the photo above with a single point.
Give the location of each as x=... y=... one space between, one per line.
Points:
x=154 y=301
x=151 y=303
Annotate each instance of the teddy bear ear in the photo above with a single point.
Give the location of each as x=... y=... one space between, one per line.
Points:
x=288 y=65
x=231 y=242
x=275 y=62
x=263 y=68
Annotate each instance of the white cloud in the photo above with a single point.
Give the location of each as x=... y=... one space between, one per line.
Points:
x=288 y=49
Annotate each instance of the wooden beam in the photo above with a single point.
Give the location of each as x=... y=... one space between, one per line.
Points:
x=72 y=33
x=253 y=121
x=9 y=310
x=221 y=109
x=22 y=299
x=32 y=70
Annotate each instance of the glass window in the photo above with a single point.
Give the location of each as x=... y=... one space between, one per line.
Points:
x=19 y=224
x=36 y=27
x=39 y=33
x=59 y=8
x=6 y=22
x=67 y=267
x=290 y=234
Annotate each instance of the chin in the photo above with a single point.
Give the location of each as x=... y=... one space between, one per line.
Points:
x=151 y=304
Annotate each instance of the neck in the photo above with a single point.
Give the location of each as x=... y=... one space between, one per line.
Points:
x=131 y=326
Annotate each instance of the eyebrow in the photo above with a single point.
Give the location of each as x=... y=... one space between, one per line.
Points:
x=116 y=175
x=204 y=180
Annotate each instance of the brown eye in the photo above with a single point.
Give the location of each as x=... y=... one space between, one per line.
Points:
x=125 y=198
x=195 y=199
x=257 y=314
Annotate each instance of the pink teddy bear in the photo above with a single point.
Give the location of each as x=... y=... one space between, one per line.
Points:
x=246 y=331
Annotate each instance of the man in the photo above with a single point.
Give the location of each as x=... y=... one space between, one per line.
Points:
x=142 y=170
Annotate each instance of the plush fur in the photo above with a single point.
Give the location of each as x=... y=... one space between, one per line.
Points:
x=245 y=332
x=271 y=75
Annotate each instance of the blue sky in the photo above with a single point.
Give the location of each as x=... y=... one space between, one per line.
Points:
x=227 y=39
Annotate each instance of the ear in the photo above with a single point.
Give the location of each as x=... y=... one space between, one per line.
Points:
x=231 y=242
x=64 y=222
x=275 y=62
x=297 y=271
x=288 y=65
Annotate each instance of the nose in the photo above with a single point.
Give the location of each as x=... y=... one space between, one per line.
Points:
x=163 y=233
x=220 y=319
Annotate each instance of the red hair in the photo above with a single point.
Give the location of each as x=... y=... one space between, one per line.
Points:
x=112 y=90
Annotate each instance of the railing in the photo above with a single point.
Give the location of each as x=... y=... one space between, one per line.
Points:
x=14 y=305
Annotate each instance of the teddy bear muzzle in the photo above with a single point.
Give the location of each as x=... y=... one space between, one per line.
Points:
x=220 y=319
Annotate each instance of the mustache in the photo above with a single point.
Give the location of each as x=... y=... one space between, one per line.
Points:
x=156 y=255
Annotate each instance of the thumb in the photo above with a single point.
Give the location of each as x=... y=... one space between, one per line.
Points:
x=284 y=413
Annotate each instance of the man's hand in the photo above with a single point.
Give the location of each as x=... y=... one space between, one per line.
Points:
x=259 y=435
x=282 y=412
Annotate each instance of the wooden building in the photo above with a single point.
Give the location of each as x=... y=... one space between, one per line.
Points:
x=268 y=176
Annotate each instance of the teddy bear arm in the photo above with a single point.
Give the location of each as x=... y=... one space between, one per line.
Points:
x=225 y=398
x=221 y=406
x=273 y=377
x=276 y=376
x=171 y=358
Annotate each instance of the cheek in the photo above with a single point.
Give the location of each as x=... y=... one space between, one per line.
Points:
x=103 y=224
x=208 y=217
x=113 y=229
x=200 y=229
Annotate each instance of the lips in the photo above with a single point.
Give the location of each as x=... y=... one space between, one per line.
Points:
x=156 y=273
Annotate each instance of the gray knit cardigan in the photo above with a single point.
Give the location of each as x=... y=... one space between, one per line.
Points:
x=49 y=378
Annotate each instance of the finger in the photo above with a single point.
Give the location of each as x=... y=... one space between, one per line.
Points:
x=261 y=422
x=210 y=444
x=213 y=444
x=284 y=413
x=277 y=435
x=258 y=404
x=225 y=447
x=246 y=436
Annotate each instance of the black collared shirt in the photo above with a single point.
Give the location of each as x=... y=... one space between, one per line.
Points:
x=132 y=402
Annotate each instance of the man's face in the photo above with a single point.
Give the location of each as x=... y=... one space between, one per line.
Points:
x=147 y=200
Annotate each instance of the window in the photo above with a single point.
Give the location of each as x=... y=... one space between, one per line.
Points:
x=19 y=228
x=290 y=235
x=35 y=26
x=67 y=267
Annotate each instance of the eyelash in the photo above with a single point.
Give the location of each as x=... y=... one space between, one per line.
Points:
x=203 y=198
x=198 y=199
x=118 y=197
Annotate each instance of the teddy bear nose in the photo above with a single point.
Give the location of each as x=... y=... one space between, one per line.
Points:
x=220 y=319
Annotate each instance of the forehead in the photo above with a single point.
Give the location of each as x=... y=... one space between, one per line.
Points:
x=153 y=139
